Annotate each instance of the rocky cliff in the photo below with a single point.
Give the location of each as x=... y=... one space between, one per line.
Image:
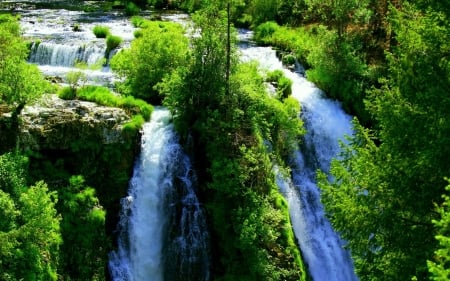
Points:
x=53 y=123
x=73 y=137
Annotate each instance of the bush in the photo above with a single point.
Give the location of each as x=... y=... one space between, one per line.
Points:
x=101 y=31
x=112 y=42
x=274 y=76
x=138 y=33
x=264 y=32
x=283 y=84
x=284 y=87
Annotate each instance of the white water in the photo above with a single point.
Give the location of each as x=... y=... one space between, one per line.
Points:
x=326 y=123
x=48 y=53
x=163 y=233
x=58 y=48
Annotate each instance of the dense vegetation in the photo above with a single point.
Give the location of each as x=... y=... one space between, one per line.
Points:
x=388 y=63
x=249 y=218
x=53 y=226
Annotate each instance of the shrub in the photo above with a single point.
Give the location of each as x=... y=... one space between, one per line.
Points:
x=138 y=33
x=288 y=59
x=101 y=31
x=284 y=87
x=264 y=31
x=274 y=76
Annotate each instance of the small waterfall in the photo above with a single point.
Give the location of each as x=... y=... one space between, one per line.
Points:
x=163 y=234
x=47 y=53
x=326 y=123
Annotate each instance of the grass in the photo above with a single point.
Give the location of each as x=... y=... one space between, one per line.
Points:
x=299 y=41
x=101 y=31
x=112 y=42
x=104 y=96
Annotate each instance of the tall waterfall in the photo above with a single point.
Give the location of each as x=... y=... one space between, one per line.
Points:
x=163 y=233
x=326 y=123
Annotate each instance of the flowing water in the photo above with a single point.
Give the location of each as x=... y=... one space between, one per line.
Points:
x=163 y=234
x=63 y=42
x=326 y=124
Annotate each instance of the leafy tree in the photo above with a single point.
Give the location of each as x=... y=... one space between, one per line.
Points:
x=83 y=252
x=161 y=48
x=384 y=188
x=248 y=218
x=20 y=82
x=338 y=13
x=29 y=224
x=439 y=267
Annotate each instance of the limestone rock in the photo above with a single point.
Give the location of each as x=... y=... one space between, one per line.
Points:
x=53 y=123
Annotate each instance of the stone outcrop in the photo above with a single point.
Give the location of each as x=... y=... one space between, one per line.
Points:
x=72 y=137
x=53 y=123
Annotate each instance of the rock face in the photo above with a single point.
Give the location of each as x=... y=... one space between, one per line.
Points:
x=53 y=123
x=72 y=137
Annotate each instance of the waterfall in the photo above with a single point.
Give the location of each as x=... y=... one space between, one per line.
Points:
x=47 y=53
x=326 y=124
x=163 y=234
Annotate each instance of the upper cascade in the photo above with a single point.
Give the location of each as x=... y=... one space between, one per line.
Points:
x=47 y=53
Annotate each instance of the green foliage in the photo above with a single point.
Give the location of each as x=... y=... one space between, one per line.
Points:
x=29 y=228
x=299 y=41
x=67 y=93
x=75 y=79
x=132 y=9
x=83 y=252
x=338 y=14
x=138 y=33
x=240 y=130
x=439 y=267
x=282 y=84
x=20 y=82
x=138 y=21
x=382 y=199
x=112 y=42
x=13 y=174
x=134 y=125
x=346 y=83
x=161 y=48
x=101 y=31
x=104 y=96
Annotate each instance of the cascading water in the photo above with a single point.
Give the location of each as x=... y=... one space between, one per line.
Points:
x=163 y=233
x=326 y=123
x=58 y=46
x=47 y=53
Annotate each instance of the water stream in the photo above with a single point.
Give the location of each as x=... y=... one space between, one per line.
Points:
x=326 y=123
x=163 y=233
